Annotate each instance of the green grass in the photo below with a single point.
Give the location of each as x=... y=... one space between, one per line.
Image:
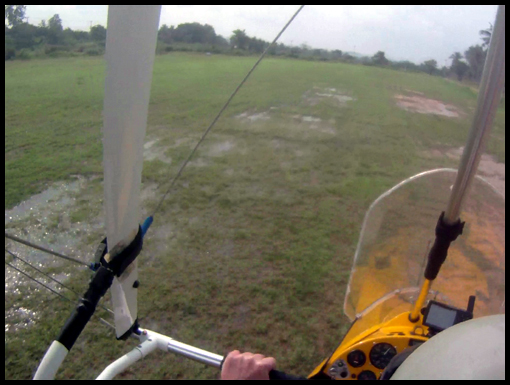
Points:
x=253 y=249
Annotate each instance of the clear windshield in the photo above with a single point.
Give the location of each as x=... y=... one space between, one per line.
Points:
x=397 y=234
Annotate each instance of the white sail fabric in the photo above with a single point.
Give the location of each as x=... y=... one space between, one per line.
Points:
x=130 y=51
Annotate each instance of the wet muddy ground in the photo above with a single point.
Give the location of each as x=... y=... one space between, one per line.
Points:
x=50 y=218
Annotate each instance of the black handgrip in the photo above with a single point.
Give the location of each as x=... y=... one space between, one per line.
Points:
x=277 y=375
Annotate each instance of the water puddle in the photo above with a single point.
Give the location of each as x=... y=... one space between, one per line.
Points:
x=56 y=196
x=20 y=318
x=151 y=152
x=260 y=116
x=315 y=123
x=218 y=149
x=316 y=95
x=45 y=219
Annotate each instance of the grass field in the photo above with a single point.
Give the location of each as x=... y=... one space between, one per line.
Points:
x=253 y=249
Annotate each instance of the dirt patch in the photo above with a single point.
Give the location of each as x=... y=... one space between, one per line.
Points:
x=423 y=105
x=414 y=92
x=489 y=168
x=316 y=95
x=151 y=152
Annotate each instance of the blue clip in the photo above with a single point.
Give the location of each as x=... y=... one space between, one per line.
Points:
x=94 y=266
x=146 y=224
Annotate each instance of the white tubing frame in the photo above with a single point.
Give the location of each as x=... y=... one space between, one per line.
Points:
x=152 y=341
x=51 y=362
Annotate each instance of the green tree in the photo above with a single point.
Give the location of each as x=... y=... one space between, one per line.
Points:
x=485 y=35
x=239 y=39
x=194 y=33
x=461 y=69
x=80 y=35
x=165 y=34
x=220 y=41
x=24 y=35
x=444 y=71
x=458 y=67
x=15 y=14
x=475 y=56
x=406 y=66
x=380 y=59
x=55 y=29
x=336 y=54
x=55 y=23
x=430 y=66
x=10 y=50
x=456 y=57
x=348 y=58
x=256 y=45
x=98 y=33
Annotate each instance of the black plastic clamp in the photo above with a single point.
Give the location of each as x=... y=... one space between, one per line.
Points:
x=445 y=235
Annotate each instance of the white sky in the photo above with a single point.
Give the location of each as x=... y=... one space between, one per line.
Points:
x=405 y=32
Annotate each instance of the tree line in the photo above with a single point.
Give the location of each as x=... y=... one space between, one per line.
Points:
x=470 y=65
x=49 y=38
x=24 y=40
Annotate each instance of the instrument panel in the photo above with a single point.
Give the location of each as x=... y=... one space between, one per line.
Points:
x=367 y=360
x=381 y=354
x=365 y=353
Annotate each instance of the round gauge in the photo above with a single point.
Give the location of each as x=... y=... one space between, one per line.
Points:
x=381 y=355
x=356 y=358
x=367 y=375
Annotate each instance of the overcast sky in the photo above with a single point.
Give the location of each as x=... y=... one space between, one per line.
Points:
x=405 y=32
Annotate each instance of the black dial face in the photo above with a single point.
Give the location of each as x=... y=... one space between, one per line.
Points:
x=381 y=355
x=356 y=358
x=367 y=375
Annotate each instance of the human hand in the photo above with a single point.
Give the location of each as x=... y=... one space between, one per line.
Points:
x=247 y=366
